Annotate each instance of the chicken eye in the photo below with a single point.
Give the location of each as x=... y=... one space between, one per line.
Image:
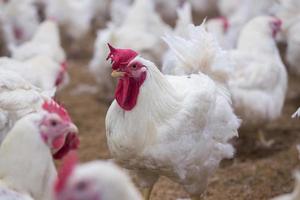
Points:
x=53 y=123
x=81 y=186
x=134 y=66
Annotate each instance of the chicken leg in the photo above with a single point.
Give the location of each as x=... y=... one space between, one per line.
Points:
x=147 y=193
x=263 y=141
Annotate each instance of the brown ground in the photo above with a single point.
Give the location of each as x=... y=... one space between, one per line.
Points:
x=255 y=172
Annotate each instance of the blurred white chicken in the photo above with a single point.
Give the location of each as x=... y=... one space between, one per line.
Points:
x=19 y=19
x=288 y=12
x=27 y=169
x=295 y=195
x=141 y=24
x=186 y=130
x=40 y=71
x=43 y=59
x=257 y=83
x=97 y=180
x=17 y=98
x=73 y=15
x=239 y=12
x=45 y=42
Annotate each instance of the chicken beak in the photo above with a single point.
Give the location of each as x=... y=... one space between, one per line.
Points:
x=72 y=128
x=117 y=74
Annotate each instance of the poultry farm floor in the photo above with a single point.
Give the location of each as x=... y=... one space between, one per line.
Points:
x=255 y=173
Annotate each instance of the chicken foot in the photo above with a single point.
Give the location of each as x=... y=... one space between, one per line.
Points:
x=263 y=141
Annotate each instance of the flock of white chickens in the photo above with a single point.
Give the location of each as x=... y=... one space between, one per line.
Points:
x=179 y=93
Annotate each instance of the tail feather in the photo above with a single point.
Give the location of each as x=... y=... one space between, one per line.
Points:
x=200 y=52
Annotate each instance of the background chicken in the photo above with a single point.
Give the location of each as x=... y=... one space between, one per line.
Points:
x=239 y=12
x=73 y=16
x=248 y=75
x=93 y=181
x=258 y=77
x=45 y=42
x=26 y=153
x=17 y=98
x=288 y=12
x=40 y=71
x=141 y=24
x=19 y=19
x=183 y=136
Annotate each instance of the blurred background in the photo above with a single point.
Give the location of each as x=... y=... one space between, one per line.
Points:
x=86 y=26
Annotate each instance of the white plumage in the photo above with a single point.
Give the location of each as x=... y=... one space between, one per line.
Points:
x=259 y=81
x=25 y=159
x=39 y=71
x=288 y=12
x=45 y=42
x=17 y=98
x=99 y=180
x=210 y=59
x=184 y=134
x=74 y=16
x=19 y=19
x=239 y=12
x=248 y=75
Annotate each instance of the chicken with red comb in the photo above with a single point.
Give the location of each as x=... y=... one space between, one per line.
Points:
x=71 y=140
x=96 y=180
x=173 y=126
x=26 y=165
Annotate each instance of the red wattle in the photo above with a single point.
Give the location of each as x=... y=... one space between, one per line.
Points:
x=127 y=91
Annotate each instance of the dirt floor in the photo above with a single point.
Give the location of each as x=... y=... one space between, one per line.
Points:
x=255 y=173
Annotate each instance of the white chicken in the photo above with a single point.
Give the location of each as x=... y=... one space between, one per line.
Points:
x=140 y=24
x=259 y=83
x=288 y=12
x=42 y=55
x=74 y=16
x=19 y=19
x=248 y=75
x=40 y=71
x=97 y=180
x=45 y=42
x=239 y=12
x=17 y=98
x=251 y=76
x=184 y=134
x=26 y=166
x=295 y=195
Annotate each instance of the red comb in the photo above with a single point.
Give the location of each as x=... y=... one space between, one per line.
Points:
x=65 y=171
x=53 y=107
x=120 y=57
